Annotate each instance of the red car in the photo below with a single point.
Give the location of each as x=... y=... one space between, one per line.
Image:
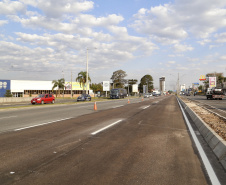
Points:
x=43 y=98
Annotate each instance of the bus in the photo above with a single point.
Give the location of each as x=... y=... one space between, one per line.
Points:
x=118 y=93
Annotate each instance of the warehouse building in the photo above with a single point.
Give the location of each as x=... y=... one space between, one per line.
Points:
x=31 y=88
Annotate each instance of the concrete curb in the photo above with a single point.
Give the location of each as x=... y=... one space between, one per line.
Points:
x=14 y=99
x=216 y=143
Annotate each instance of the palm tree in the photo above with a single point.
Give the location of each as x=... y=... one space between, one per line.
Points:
x=82 y=78
x=58 y=83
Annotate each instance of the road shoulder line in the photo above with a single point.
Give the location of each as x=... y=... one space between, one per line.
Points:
x=203 y=156
x=32 y=126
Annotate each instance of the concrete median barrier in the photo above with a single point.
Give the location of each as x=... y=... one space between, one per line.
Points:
x=216 y=143
x=14 y=99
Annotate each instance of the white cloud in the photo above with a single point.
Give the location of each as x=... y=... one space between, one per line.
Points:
x=223 y=58
x=220 y=38
x=57 y=8
x=2 y=22
x=90 y=20
x=177 y=21
x=204 y=42
x=182 y=48
x=8 y=7
x=171 y=62
x=160 y=23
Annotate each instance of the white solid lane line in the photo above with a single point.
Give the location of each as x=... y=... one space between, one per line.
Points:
x=41 y=124
x=204 y=158
x=8 y=117
x=117 y=106
x=146 y=107
x=104 y=128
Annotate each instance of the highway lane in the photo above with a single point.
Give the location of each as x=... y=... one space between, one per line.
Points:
x=220 y=104
x=145 y=142
x=11 y=119
x=215 y=106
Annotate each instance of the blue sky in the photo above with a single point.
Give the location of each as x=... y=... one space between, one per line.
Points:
x=48 y=39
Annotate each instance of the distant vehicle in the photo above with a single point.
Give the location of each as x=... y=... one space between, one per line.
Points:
x=84 y=97
x=147 y=95
x=188 y=93
x=214 y=93
x=156 y=94
x=43 y=98
x=118 y=93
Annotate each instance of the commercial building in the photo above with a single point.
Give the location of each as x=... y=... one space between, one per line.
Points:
x=30 y=88
x=162 y=84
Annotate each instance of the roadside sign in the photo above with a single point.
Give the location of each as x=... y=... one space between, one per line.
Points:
x=106 y=86
x=212 y=82
x=202 y=78
x=135 y=88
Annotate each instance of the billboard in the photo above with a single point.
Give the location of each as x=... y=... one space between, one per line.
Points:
x=106 y=86
x=4 y=85
x=135 y=88
x=212 y=82
x=75 y=86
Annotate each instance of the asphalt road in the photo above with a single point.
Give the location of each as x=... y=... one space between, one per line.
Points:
x=220 y=104
x=141 y=142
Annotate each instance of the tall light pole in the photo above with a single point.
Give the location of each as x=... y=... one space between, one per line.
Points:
x=87 y=70
x=87 y=73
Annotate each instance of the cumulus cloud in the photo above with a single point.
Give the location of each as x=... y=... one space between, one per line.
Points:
x=204 y=41
x=171 y=62
x=57 y=8
x=177 y=21
x=220 y=38
x=8 y=7
x=57 y=33
x=182 y=48
x=2 y=22
x=223 y=58
x=159 y=22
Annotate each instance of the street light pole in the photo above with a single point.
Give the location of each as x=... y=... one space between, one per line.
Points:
x=87 y=73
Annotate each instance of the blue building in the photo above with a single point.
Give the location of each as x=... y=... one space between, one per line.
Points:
x=4 y=85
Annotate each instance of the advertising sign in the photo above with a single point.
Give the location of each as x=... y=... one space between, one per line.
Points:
x=4 y=85
x=202 y=78
x=135 y=88
x=196 y=83
x=75 y=86
x=106 y=86
x=212 y=82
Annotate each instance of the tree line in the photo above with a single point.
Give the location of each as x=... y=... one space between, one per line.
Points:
x=118 y=81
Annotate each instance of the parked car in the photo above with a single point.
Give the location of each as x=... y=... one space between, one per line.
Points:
x=43 y=98
x=147 y=95
x=84 y=97
x=156 y=94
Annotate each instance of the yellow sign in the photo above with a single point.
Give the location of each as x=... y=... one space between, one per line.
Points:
x=202 y=78
x=75 y=86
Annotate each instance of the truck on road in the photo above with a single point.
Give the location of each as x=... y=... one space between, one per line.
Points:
x=214 y=93
x=118 y=93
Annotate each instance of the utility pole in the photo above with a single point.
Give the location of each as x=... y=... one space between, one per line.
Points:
x=178 y=86
x=71 y=83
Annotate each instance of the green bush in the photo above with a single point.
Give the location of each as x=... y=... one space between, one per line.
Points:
x=8 y=93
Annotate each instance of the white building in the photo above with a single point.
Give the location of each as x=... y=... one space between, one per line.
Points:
x=26 y=88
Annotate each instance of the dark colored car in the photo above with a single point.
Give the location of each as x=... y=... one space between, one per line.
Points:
x=84 y=97
x=43 y=98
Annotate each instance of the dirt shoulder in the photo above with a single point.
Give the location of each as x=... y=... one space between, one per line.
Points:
x=215 y=122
